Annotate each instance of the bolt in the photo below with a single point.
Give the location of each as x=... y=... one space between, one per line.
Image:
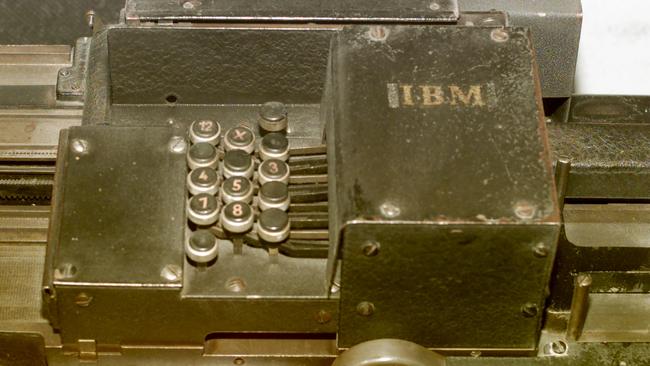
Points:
x=171 y=272
x=235 y=284
x=378 y=33
x=64 y=72
x=365 y=308
x=389 y=210
x=83 y=300
x=559 y=347
x=540 y=250
x=189 y=5
x=529 y=310
x=80 y=146
x=90 y=18
x=323 y=317
x=499 y=35
x=524 y=210
x=65 y=271
x=370 y=248
x=434 y=6
x=177 y=145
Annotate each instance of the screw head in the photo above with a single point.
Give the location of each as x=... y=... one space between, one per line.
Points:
x=475 y=354
x=171 y=272
x=525 y=210
x=83 y=300
x=64 y=72
x=236 y=284
x=499 y=35
x=365 y=308
x=529 y=310
x=323 y=317
x=389 y=210
x=79 y=146
x=177 y=145
x=540 y=250
x=434 y=6
x=559 y=347
x=370 y=248
x=378 y=33
x=65 y=271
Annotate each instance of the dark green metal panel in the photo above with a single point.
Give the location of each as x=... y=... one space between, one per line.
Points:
x=438 y=154
x=445 y=286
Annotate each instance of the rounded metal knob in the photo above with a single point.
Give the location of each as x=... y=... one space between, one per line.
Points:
x=205 y=131
x=273 y=170
x=203 y=209
x=274 y=195
x=273 y=226
x=202 y=155
x=237 y=189
x=201 y=246
x=237 y=217
x=237 y=163
x=273 y=117
x=203 y=180
x=274 y=146
x=239 y=138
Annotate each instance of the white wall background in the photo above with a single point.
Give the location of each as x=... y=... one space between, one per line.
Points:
x=614 y=56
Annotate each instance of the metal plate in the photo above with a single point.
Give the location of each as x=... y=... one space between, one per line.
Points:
x=123 y=216
x=555 y=27
x=439 y=181
x=216 y=65
x=293 y=11
x=458 y=286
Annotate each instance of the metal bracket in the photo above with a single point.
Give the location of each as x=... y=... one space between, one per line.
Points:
x=71 y=82
x=290 y=11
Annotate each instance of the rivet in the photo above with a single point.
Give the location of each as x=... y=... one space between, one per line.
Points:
x=434 y=6
x=365 y=308
x=238 y=361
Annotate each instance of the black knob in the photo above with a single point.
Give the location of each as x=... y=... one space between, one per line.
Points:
x=203 y=180
x=205 y=131
x=237 y=189
x=274 y=146
x=203 y=209
x=202 y=155
x=273 y=170
x=237 y=217
x=237 y=163
x=240 y=138
x=274 y=195
x=202 y=246
x=273 y=225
